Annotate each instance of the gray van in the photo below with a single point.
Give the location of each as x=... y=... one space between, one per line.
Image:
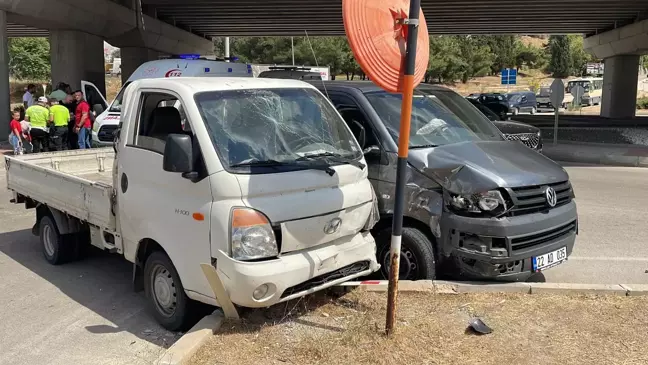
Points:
x=476 y=204
x=522 y=102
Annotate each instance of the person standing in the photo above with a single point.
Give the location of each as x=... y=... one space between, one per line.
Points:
x=82 y=120
x=59 y=117
x=61 y=92
x=28 y=97
x=15 y=138
x=38 y=116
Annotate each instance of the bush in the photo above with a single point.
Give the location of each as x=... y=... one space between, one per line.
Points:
x=642 y=103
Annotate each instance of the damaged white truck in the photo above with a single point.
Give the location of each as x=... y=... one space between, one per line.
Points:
x=260 y=178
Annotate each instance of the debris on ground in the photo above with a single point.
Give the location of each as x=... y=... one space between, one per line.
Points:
x=479 y=327
x=430 y=329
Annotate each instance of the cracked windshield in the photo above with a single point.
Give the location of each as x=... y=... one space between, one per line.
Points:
x=275 y=126
x=438 y=118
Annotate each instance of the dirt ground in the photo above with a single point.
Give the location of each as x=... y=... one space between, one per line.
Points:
x=432 y=329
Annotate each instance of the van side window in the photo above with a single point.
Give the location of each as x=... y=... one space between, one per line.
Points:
x=116 y=105
x=159 y=116
x=93 y=97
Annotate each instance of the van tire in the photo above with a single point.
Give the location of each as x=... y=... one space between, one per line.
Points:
x=57 y=248
x=516 y=111
x=166 y=296
x=533 y=110
x=416 y=250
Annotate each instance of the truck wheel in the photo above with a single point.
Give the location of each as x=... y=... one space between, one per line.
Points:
x=417 y=255
x=165 y=293
x=56 y=248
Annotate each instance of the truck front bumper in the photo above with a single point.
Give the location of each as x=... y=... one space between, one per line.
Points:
x=504 y=248
x=295 y=274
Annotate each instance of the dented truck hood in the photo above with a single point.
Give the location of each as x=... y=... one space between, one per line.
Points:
x=470 y=167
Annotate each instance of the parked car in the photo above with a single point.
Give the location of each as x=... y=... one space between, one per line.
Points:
x=527 y=134
x=522 y=102
x=478 y=205
x=496 y=102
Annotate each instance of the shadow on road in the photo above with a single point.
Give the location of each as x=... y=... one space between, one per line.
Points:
x=101 y=282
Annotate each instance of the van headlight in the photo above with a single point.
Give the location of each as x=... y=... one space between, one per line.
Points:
x=95 y=127
x=491 y=201
x=252 y=236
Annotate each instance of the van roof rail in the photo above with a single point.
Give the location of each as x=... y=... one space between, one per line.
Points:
x=290 y=68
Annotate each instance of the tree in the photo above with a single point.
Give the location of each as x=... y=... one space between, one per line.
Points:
x=29 y=58
x=579 y=57
x=505 y=48
x=116 y=53
x=560 y=64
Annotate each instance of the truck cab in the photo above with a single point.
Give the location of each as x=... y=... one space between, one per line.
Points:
x=263 y=181
x=477 y=206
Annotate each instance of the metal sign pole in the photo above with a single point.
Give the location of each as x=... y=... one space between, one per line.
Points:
x=555 y=134
x=403 y=149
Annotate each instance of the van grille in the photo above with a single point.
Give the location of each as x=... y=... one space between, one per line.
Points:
x=105 y=133
x=535 y=239
x=346 y=271
x=532 y=199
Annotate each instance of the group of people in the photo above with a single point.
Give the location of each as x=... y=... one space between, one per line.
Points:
x=59 y=122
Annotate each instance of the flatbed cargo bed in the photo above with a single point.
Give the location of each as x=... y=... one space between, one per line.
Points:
x=78 y=182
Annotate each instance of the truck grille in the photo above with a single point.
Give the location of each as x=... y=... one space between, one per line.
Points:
x=530 y=140
x=532 y=199
x=105 y=133
x=346 y=271
x=528 y=241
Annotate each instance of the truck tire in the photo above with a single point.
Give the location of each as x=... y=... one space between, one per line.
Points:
x=57 y=249
x=170 y=305
x=417 y=255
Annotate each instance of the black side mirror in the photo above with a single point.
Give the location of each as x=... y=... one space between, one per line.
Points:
x=178 y=155
x=98 y=109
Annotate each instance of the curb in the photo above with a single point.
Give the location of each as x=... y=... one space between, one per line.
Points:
x=464 y=287
x=181 y=352
x=599 y=154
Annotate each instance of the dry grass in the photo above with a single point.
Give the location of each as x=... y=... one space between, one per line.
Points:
x=534 y=41
x=113 y=85
x=432 y=330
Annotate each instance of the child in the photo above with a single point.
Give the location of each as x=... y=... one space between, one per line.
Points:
x=15 y=138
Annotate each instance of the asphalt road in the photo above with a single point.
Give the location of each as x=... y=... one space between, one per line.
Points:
x=79 y=313
x=86 y=313
x=611 y=246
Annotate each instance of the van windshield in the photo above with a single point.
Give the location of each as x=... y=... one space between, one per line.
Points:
x=274 y=127
x=439 y=117
x=116 y=105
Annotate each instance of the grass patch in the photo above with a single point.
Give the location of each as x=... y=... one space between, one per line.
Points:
x=528 y=329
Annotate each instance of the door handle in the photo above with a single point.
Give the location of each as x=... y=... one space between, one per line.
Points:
x=124 y=183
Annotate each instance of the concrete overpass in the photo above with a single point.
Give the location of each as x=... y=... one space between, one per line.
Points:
x=77 y=29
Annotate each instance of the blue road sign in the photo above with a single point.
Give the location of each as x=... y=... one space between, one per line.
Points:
x=509 y=76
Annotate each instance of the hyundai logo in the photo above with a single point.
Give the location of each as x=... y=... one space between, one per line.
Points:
x=332 y=226
x=550 y=194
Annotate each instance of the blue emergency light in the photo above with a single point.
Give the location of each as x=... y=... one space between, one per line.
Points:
x=189 y=56
x=207 y=69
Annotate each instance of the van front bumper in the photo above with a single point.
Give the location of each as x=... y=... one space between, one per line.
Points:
x=296 y=274
x=504 y=248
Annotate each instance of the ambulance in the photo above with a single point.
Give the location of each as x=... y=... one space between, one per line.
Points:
x=107 y=122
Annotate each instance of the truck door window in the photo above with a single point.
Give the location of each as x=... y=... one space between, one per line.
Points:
x=158 y=118
x=355 y=119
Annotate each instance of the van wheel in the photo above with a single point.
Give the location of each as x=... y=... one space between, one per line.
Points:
x=516 y=111
x=165 y=293
x=417 y=260
x=57 y=249
x=533 y=110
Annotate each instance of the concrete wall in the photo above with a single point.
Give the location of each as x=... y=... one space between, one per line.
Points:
x=4 y=79
x=133 y=57
x=620 y=86
x=77 y=56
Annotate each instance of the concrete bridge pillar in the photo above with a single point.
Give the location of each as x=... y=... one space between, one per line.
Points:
x=77 y=56
x=5 y=105
x=620 y=86
x=133 y=57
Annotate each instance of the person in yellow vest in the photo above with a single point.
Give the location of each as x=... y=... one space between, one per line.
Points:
x=38 y=116
x=59 y=118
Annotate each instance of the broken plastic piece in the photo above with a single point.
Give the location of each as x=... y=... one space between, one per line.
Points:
x=478 y=326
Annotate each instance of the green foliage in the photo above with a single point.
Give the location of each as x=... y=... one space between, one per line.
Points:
x=561 y=63
x=642 y=103
x=452 y=58
x=29 y=58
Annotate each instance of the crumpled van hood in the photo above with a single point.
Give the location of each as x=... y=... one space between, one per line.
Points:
x=470 y=167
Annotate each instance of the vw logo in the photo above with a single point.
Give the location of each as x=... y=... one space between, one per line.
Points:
x=524 y=138
x=550 y=194
x=332 y=226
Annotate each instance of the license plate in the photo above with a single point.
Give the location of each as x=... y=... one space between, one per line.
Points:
x=550 y=259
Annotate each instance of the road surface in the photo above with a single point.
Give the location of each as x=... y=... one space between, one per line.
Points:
x=86 y=313
x=80 y=313
x=611 y=246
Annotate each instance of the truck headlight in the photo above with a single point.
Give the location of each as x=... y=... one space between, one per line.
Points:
x=490 y=201
x=252 y=235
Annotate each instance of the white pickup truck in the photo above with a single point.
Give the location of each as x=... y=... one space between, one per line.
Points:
x=262 y=180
